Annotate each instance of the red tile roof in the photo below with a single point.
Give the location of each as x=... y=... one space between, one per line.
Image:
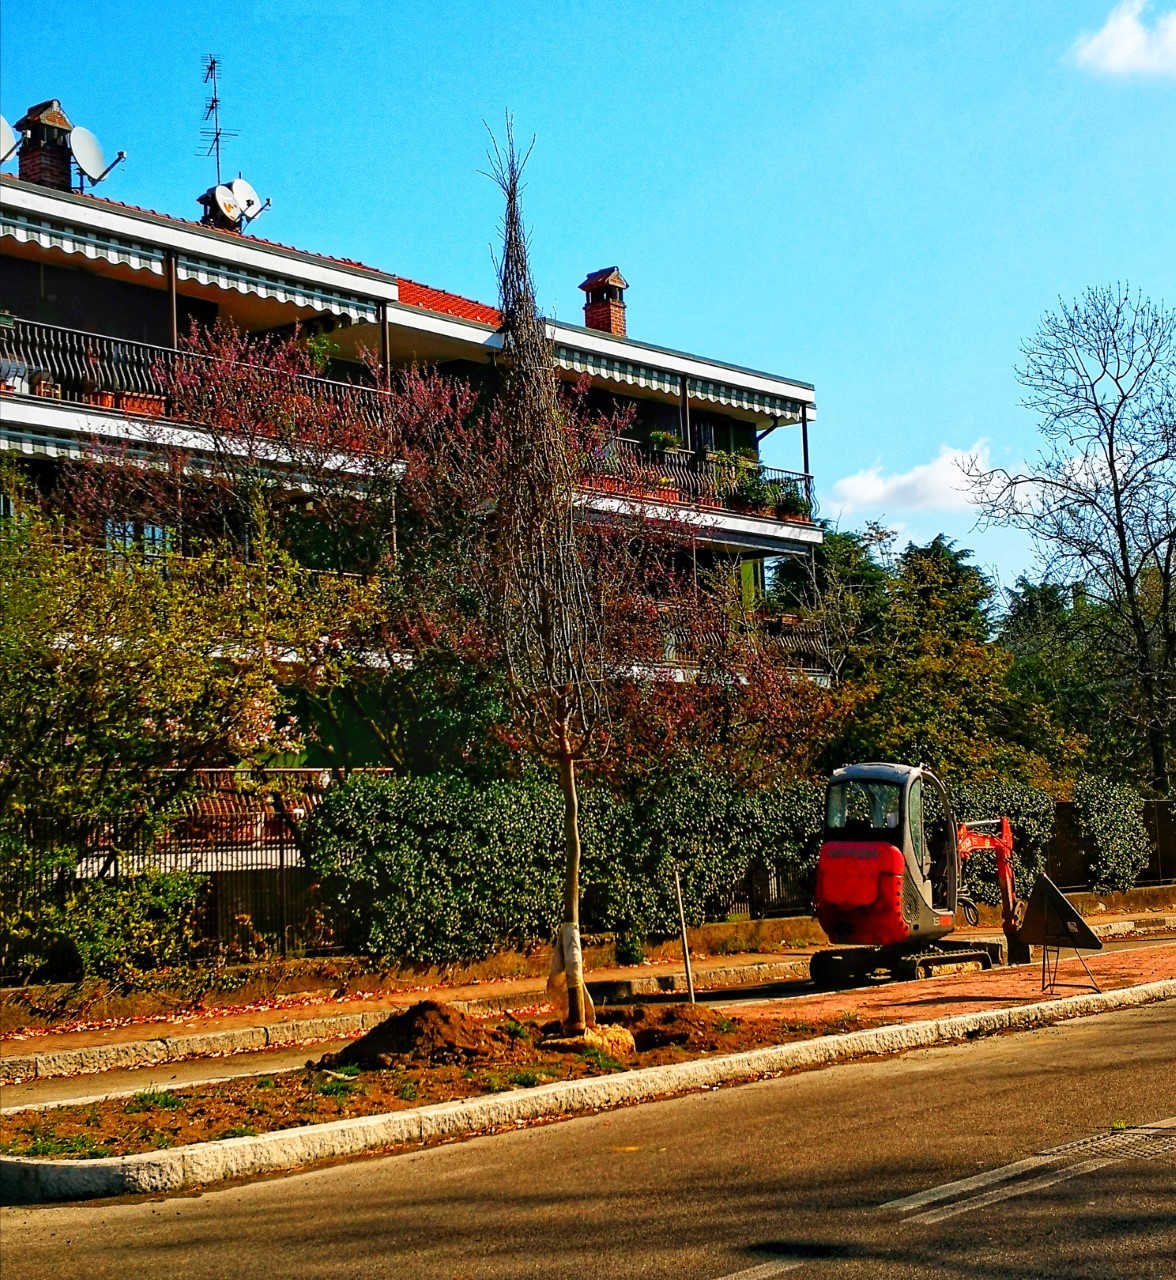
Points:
x=413 y=294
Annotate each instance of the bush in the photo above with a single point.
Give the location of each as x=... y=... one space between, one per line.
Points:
x=436 y=869
x=116 y=929
x=1110 y=822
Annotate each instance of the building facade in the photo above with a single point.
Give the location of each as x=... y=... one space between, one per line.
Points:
x=94 y=292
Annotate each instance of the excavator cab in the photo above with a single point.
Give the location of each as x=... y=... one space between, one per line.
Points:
x=888 y=875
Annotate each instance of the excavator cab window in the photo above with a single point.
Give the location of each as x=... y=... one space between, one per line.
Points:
x=860 y=810
x=915 y=820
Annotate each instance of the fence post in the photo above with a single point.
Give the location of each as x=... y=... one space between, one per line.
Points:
x=282 y=888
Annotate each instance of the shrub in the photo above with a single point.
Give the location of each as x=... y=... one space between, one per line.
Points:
x=116 y=929
x=436 y=869
x=1110 y=822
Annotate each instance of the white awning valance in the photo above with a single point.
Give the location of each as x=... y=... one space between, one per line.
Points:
x=102 y=245
x=27 y=228
x=577 y=360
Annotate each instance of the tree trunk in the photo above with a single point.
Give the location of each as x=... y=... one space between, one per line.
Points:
x=575 y=1023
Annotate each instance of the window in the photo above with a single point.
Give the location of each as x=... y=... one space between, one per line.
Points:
x=864 y=810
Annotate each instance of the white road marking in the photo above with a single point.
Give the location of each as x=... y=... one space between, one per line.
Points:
x=1006 y=1193
x=949 y=1189
x=1111 y=1145
x=766 y=1269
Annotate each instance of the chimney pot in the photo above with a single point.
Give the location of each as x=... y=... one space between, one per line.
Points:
x=45 y=157
x=604 y=301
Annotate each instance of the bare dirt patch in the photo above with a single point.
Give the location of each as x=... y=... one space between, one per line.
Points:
x=429 y=1053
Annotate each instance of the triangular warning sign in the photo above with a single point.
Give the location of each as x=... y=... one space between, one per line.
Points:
x=1052 y=920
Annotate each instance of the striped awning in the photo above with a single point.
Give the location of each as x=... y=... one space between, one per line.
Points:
x=102 y=245
x=631 y=373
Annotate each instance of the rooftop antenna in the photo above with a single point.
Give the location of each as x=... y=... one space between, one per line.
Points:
x=215 y=133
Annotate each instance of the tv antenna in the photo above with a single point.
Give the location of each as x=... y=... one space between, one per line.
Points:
x=213 y=133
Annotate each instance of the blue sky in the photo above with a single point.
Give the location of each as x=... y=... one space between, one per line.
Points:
x=880 y=198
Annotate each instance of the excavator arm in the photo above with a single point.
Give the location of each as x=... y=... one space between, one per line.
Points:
x=973 y=837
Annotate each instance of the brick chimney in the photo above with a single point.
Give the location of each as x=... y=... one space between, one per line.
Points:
x=45 y=157
x=604 y=301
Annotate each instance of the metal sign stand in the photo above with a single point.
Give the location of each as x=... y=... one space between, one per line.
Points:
x=1051 y=923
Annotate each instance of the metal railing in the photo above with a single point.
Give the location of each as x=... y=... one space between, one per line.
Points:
x=118 y=373
x=679 y=475
x=137 y=377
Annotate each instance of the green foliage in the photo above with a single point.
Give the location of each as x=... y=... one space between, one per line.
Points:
x=124 y=928
x=437 y=870
x=1110 y=821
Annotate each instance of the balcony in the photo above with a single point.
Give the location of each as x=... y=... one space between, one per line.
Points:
x=713 y=481
x=117 y=382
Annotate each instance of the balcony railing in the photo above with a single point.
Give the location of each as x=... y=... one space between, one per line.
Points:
x=117 y=373
x=724 y=481
x=132 y=377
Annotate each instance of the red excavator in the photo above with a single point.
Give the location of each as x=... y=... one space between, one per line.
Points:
x=889 y=881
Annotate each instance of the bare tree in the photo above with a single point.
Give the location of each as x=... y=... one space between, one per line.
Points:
x=1100 y=498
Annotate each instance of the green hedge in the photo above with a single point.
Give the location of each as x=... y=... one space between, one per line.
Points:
x=1110 y=823
x=117 y=929
x=437 y=870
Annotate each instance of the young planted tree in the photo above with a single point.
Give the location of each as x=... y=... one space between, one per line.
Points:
x=544 y=610
x=1100 y=502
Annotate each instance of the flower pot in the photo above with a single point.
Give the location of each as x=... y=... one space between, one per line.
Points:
x=134 y=402
x=102 y=399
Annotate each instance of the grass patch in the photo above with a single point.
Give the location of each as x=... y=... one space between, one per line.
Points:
x=240 y=1131
x=335 y=1088
x=516 y=1030
x=42 y=1140
x=150 y=1099
x=600 y=1060
x=408 y=1091
x=265 y=1082
x=495 y=1083
x=527 y=1079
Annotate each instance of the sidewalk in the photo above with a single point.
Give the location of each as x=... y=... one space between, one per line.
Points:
x=294 y=1021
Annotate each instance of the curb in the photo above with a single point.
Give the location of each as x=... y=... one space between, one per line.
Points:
x=140 y=1053
x=29 y=1180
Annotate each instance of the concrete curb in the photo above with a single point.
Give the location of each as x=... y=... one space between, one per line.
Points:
x=151 y=1052
x=28 y=1180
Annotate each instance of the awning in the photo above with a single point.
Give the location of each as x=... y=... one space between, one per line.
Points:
x=633 y=374
x=103 y=246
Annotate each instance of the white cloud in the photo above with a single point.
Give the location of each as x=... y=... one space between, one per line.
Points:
x=931 y=486
x=1126 y=46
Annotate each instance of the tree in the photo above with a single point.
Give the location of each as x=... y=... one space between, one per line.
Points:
x=123 y=672
x=926 y=683
x=1099 y=501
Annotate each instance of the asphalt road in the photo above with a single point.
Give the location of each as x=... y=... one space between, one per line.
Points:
x=783 y=1177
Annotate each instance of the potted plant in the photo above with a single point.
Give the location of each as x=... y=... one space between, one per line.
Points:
x=663 y=441
x=791 y=504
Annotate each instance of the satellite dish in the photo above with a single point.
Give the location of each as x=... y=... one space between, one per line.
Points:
x=226 y=202
x=248 y=201
x=87 y=154
x=8 y=140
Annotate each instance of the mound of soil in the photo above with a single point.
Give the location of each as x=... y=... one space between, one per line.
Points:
x=690 y=1026
x=427 y=1032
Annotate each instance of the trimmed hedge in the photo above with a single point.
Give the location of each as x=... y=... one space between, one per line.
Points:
x=437 y=870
